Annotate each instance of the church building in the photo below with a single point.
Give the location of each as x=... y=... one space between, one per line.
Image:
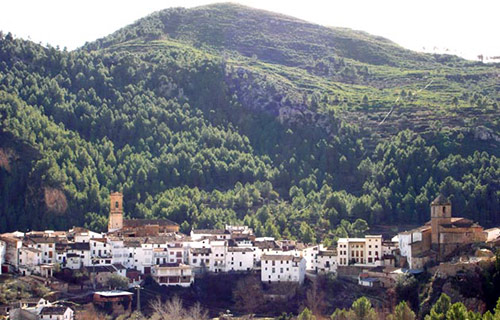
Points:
x=440 y=237
x=135 y=227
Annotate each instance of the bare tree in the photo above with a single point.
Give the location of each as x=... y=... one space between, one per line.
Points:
x=170 y=310
x=173 y=310
x=248 y=295
x=196 y=312
x=315 y=299
x=90 y=313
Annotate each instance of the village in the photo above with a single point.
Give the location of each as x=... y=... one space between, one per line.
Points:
x=138 y=249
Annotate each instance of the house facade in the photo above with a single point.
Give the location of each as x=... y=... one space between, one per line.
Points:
x=365 y=251
x=57 y=313
x=282 y=268
x=173 y=274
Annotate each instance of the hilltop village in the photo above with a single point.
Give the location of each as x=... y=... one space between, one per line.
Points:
x=141 y=248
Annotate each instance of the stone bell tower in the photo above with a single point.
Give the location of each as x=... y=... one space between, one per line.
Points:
x=440 y=214
x=115 y=212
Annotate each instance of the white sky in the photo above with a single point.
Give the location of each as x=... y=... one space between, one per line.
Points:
x=465 y=27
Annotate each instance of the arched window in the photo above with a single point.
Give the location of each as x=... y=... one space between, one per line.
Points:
x=116 y=204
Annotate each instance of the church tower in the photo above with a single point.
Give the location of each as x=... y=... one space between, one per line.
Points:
x=440 y=214
x=116 y=212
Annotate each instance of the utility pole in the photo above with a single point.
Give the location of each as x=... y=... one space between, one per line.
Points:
x=138 y=307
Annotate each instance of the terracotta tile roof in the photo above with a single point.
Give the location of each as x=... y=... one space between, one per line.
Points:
x=210 y=231
x=133 y=223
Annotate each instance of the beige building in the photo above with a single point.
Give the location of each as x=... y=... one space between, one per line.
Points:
x=360 y=251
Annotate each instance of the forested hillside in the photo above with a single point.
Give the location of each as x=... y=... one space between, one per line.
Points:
x=224 y=113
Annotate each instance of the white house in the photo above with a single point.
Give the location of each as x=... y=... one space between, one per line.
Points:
x=100 y=251
x=84 y=235
x=239 y=259
x=173 y=274
x=47 y=246
x=140 y=257
x=57 y=313
x=219 y=234
x=282 y=268
x=28 y=308
x=310 y=254
x=366 y=281
x=199 y=258
x=388 y=247
x=263 y=246
x=218 y=256
x=29 y=259
x=77 y=255
x=408 y=239
x=11 y=251
x=326 y=261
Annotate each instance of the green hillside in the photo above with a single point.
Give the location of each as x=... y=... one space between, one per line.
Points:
x=224 y=113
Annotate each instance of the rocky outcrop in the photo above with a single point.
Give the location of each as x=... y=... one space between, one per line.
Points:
x=485 y=134
x=55 y=200
x=275 y=97
x=5 y=158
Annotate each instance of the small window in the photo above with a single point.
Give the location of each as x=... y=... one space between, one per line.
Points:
x=116 y=204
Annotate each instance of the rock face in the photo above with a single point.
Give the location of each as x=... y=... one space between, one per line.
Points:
x=485 y=134
x=55 y=200
x=275 y=97
x=5 y=156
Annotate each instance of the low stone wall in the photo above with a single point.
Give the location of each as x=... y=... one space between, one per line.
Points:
x=350 y=271
x=446 y=269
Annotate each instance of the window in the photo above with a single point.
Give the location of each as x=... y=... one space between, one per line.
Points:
x=116 y=204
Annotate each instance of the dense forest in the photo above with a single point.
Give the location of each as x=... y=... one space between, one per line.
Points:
x=226 y=114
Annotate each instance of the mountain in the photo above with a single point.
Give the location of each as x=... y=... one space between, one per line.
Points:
x=272 y=37
x=227 y=114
